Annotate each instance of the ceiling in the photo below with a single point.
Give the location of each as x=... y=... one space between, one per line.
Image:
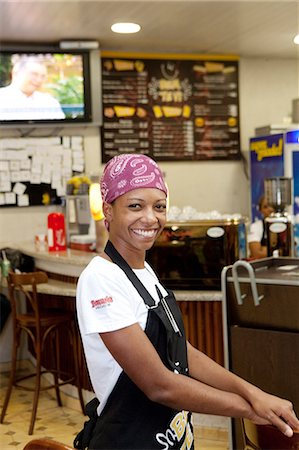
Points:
x=245 y=28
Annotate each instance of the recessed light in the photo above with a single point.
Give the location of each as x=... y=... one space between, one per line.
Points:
x=125 y=27
x=296 y=39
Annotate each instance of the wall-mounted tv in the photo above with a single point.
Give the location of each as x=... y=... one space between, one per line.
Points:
x=44 y=86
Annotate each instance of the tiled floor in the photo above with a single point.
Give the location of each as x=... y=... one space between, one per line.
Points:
x=63 y=423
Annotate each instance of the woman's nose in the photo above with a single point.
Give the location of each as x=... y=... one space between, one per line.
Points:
x=150 y=215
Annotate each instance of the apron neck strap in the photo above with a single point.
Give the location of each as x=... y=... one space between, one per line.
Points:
x=116 y=257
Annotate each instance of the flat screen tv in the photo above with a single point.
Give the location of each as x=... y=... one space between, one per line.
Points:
x=42 y=87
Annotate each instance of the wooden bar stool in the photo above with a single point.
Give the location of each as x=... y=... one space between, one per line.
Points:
x=41 y=326
x=266 y=437
x=46 y=444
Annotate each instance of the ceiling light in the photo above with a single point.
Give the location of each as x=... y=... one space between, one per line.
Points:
x=296 y=39
x=125 y=27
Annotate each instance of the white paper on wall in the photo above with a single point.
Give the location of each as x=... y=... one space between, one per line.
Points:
x=19 y=188
x=25 y=164
x=5 y=186
x=46 y=177
x=32 y=161
x=4 y=176
x=10 y=198
x=25 y=175
x=78 y=168
x=15 y=176
x=66 y=141
x=14 y=165
x=4 y=165
x=35 y=178
x=36 y=169
x=23 y=200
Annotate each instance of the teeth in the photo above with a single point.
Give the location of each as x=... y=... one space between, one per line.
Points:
x=145 y=233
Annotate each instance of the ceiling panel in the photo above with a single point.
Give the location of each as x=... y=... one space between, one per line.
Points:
x=246 y=28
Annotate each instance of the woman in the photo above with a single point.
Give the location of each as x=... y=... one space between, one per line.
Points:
x=145 y=376
x=257 y=236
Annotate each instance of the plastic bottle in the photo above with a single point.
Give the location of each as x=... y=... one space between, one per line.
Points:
x=56 y=232
x=5 y=265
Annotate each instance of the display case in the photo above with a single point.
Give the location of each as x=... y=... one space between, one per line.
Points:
x=190 y=255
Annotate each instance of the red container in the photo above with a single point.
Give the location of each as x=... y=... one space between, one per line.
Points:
x=56 y=232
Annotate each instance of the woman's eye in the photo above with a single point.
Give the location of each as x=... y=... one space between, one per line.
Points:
x=134 y=205
x=161 y=207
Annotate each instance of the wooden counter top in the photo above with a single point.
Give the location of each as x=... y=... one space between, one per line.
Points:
x=72 y=262
x=61 y=288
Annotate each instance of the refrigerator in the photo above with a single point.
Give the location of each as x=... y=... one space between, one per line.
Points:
x=275 y=155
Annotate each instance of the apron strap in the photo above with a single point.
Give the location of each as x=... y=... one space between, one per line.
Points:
x=115 y=256
x=176 y=340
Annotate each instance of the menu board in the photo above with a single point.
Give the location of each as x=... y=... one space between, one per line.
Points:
x=170 y=109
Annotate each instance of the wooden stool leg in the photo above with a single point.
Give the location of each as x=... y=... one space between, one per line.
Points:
x=36 y=389
x=77 y=359
x=56 y=352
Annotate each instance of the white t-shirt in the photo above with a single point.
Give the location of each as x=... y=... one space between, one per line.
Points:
x=108 y=301
x=15 y=105
x=256 y=231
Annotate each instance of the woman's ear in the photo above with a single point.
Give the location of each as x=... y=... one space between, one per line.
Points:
x=107 y=210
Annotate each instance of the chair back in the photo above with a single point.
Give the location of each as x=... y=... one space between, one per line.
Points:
x=26 y=283
x=267 y=437
x=46 y=444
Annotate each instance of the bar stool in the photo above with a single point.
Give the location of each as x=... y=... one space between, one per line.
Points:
x=40 y=326
x=46 y=444
x=267 y=437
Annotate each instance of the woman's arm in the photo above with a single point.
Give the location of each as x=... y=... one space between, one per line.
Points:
x=267 y=407
x=256 y=250
x=220 y=394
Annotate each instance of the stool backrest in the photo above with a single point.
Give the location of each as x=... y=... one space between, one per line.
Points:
x=46 y=444
x=267 y=437
x=26 y=283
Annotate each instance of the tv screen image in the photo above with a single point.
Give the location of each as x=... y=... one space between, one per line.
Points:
x=44 y=87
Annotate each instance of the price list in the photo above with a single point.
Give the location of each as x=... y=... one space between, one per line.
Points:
x=170 y=109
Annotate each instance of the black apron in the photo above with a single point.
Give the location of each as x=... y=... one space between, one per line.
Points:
x=264 y=236
x=129 y=419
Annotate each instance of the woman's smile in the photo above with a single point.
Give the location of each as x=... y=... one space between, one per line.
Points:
x=145 y=233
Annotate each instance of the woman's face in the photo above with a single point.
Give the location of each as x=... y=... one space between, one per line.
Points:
x=266 y=209
x=137 y=218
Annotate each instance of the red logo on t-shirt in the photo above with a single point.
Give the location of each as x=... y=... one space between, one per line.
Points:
x=100 y=302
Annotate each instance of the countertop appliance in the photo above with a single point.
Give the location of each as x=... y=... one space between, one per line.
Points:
x=279 y=227
x=78 y=215
x=261 y=327
x=190 y=255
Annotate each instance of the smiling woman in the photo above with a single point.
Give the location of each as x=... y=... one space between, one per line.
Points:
x=147 y=378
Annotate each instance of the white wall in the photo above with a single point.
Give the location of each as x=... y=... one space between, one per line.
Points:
x=267 y=88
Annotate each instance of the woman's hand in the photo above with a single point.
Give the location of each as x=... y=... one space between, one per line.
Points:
x=269 y=409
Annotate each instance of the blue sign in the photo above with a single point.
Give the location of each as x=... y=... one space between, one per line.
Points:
x=266 y=158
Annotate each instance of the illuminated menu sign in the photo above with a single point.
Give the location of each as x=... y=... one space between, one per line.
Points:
x=170 y=109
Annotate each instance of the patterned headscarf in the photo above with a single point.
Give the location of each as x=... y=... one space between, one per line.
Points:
x=126 y=172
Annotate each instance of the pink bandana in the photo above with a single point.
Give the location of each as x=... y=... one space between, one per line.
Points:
x=126 y=172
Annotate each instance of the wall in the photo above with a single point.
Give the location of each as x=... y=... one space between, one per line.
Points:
x=267 y=88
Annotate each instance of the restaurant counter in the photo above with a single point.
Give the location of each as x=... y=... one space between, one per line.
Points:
x=201 y=310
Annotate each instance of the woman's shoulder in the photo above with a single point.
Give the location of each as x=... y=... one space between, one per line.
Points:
x=100 y=266
x=256 y=225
